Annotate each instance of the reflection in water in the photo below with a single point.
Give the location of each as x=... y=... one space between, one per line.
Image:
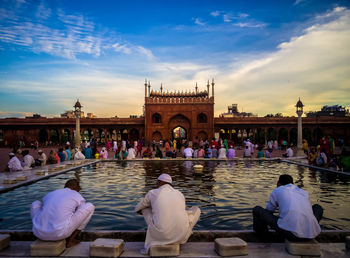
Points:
x=226 y=192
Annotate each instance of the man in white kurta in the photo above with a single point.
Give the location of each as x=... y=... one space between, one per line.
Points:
x=14 y=164
x=62 y=214
x=164 y=210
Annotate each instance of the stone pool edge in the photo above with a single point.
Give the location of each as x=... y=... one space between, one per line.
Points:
x=326 y=236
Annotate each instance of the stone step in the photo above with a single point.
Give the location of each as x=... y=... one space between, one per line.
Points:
x=233 y=246
x=105 y=247
x=188 y=250
x=311 y=248
x=164 y=250
x=47 y=248
x=4 y=241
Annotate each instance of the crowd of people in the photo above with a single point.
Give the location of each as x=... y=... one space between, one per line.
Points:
x=323 y=155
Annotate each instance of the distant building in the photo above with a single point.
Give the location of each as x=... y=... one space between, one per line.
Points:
x=70 y=114
x=233 y=112
x=90 y=115
x=35 y=116
x=334 y=110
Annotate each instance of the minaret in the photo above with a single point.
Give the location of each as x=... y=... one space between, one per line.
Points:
x=212 y=87
x=161 y=88
x=149 y=88
x=196 y=88
x=145 y=88
x=208 y=88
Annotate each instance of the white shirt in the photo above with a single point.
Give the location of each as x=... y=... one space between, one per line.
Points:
x=289 y=152
x=170 y=222
x=131 y=153
x=188 y=152
x=52 y=221
x=222 y=153
x=43 y=159
x=28 y=161
x=79 y=155
x=14 y=164
x=295 y=211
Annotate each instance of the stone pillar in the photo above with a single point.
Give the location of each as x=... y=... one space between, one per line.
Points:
x=300 y=136
x=77 y=132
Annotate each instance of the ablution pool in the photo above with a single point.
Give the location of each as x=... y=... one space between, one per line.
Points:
x=226 y=192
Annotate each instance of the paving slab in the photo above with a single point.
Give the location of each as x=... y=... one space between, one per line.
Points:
x=311 y=247
x=4 y=241
x=106 y=247
x=47 y=248
x=164 y=250
x=188 y=250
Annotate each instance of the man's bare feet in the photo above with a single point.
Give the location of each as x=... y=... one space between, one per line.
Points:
x=72 y=242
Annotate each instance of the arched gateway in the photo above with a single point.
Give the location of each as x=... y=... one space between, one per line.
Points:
x=179 y=115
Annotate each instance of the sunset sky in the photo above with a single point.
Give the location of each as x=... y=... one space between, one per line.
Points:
x=263 y=55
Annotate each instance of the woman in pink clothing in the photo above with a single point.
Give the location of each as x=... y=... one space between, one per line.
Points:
x=201 y=152
x=104 y=153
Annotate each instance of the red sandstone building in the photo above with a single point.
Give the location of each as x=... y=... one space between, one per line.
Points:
x=169 y=115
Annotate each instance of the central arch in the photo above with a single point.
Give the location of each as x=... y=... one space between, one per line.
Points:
x=179 y=133
x=180 y=121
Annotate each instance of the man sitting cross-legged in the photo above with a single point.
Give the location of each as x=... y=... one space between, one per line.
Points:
x=297 y=220
x=62 y=214
x=164 y=210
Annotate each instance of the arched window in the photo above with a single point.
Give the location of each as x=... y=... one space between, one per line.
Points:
x=156 y=118
x=202 y=118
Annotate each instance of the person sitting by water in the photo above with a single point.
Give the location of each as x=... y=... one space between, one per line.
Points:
x=164 y=210
x=289 y=152
x=42 y=158
x=103 y=153
x=88 y=151
x=312 y=156
x=131 y=153
x=68 y=152
x=61 y=155
x=247 y=153
x=214 y=151
x=231 y=153
x=297 y=220
x=62 y=214
x=14 y=163
x=268 y=153
x=147 y=153
x=28 y=159
x=188 y=152
x=322 y=159
x=159 y=153
x=222 y=152
x=260 y=153
x=78 y=155
x=201 y=152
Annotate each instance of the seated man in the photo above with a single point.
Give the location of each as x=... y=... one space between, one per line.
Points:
x=164 y=210
x=14 y=164
x=62 y=214
x=297 y=220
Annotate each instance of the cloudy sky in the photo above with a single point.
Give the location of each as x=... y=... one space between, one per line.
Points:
x=263 y=55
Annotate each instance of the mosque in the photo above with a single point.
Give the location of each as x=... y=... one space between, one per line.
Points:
x=169 y=115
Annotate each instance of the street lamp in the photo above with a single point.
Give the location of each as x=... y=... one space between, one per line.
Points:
x=299 y=112
x=77 y=113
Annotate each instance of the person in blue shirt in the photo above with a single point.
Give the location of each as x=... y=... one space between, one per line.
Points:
x=88 y=152
x=69 y=154
x=61 y=154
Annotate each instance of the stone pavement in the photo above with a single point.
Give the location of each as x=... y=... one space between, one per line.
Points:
x=190 y=249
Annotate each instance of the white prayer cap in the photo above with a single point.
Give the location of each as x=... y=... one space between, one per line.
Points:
x=40 y=151
x=165 y=178
x=11 y=154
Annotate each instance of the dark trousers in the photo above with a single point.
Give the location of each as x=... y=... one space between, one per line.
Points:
x=263 y=218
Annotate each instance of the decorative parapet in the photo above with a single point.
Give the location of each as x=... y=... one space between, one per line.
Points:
x=178 y=100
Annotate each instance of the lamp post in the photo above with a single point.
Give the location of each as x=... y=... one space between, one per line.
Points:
x=299 y=112
x=77 y=112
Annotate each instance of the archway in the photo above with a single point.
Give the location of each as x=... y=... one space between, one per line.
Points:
x=271 y=134
x=282 y=135
x=180 y=121
x=202 y=135
x=294 y=136
x=307 y=135
x=65 y=136
x=179 y=133
x=43 y=136
x=134 y=134
x=157 y=136
x=54 y=136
